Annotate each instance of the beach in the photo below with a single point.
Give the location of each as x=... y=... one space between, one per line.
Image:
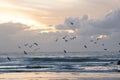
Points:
x=59 y=76
x=59 y=67
x=60 y=40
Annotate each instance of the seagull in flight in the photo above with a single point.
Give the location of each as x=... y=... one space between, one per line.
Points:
x=36 y=44
x=72 y=23
x=119 y=43
x=56 y=40
x=64 y=37
x=105 y=49
x=85 y=46
x=26 y=44
x=65 y=51
x=8 y=58
x=19 y=47
x=25 y=53
x=91 y=40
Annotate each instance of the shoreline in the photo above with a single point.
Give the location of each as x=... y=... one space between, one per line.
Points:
x=59 y=76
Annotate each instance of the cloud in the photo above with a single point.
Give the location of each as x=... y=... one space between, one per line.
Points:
x=11 y=28
x=15 y=34
x=85 y=26
x=107 y=25
x=7 y=35
x=110 y=21
x=73 y=23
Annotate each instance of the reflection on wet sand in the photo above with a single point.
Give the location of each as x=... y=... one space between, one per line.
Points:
x=59 y=76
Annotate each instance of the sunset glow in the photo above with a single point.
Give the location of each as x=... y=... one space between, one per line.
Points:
x=47 y=21
x=21 y=18
x=41 y=13
x=17 y=19
x=102 y=36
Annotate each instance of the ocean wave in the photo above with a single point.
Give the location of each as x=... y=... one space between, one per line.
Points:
x=105 y=63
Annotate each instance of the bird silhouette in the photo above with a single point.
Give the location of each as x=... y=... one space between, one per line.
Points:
x=65 y=51
x=66 y=40
x=91 y=40
x=98 y=38
x=8 y=58
x=72 y=23
x=118 y=63
x=56 y=40
x=26 y=44
x=73 y=38
x=95 y=42
x=105 y=49
x=119 y=51
x=19 y=47
x=64 y=37
x=36 y=44
x=25 y=53
x=85 y=46
x=119 y=43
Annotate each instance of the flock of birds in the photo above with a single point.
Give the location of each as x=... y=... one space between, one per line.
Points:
x=66 y=39
x=30 y=46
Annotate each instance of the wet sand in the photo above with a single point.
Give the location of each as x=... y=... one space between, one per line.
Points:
x=59 y=76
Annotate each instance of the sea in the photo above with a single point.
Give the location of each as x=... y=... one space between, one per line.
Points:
x=86 y=61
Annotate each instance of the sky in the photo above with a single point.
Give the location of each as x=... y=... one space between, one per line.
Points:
x=46 y=22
